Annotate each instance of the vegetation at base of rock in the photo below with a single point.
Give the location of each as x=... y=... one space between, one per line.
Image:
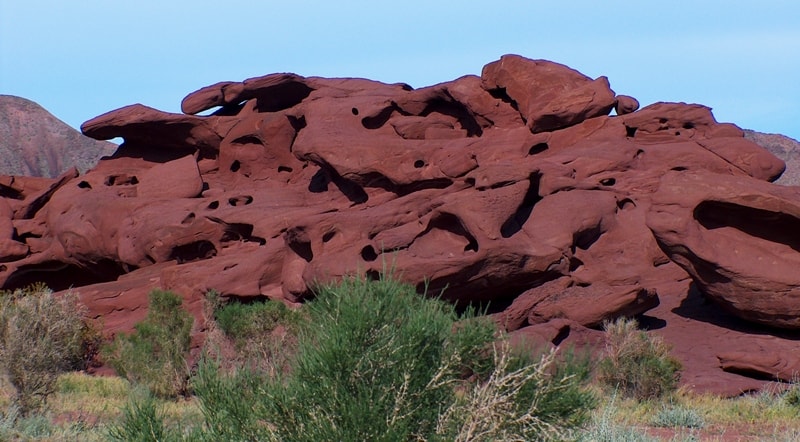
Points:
x=41 y=337
x=376 y=361
x=154 y=355
x=636 y=364
x=261 y=333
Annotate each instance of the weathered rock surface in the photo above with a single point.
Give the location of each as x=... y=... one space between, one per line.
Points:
x=738 y=238
x=515 y=189
x=35 y=143
x=783 y=147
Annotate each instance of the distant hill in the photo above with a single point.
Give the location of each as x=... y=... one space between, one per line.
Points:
x=783 y=147
x=33 y=142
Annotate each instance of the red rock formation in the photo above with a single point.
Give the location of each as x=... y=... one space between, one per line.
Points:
x=515 y=188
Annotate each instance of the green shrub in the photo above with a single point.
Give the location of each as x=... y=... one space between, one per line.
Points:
x=142 y=421
x=375 y=361
x=155 y=353
x=638 y=365
x=41 y=337
x=263 y=333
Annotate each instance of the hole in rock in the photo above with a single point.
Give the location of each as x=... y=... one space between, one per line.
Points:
x=248 y=139
x=770 y=226
x=242 y=200
x=213 y=205
x=229 y=110
x=688 y=125
x=84 y=185
x=470 y=181
x=350 y=189
x=584 y=239
x=61 y=276
x=297 y=122
x=419 y=164
x=235 y=165
x=678 y=168
x=354 y=111
x=286 y=169
x=514 y=223
x=241 y=232
x=639 y=154
x=281 y=96
x=538 y=148
x=188 y=219
x=205 y=186
x=625 y=204
x=328 y=236
x=458 y=111
x=194 y=251
x=10 y=193
x=677 y=133
x=608 y=181
x=302 y=249
x=662 y=120
x=501 y=94
x=630 y=131
x=451 y=223
x=377 y=121
x=121 y=180
x=563 y=334
x=574 y=264
x=368 y=254
x=319 y=182
x=373 y=275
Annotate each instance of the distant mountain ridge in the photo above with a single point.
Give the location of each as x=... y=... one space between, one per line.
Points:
x=783 y=147
x=33 y=142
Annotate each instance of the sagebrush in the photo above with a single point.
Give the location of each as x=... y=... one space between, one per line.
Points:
x=637 y=364
x=41 y=337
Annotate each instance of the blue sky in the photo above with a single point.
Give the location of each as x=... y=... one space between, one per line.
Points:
x=82 y=58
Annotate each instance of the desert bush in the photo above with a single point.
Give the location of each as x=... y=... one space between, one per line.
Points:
x=142 y=421
x=263 y=333
x=41 y=337
x=678 y=416
x=375 y=361
x=154 y=355
x=520 y=401
x=635 y=363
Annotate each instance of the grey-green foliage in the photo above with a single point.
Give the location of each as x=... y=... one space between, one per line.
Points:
x=155 y=353
x=678 y=416
x=375 y=361
x=636 y=364
x=41 y=336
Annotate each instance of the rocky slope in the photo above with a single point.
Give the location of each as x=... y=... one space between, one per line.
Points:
x=514 y=189
x=783 y=147
x=35 y=143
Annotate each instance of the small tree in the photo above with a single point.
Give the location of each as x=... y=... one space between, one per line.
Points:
x=41 y=337
x=155 y=353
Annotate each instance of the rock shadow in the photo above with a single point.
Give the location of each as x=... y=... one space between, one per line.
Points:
x=698 y=307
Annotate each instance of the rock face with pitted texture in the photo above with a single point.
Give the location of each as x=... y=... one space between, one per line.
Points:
x=515 y=189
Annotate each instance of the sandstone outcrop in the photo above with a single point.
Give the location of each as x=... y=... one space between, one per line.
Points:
x=515 y=189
